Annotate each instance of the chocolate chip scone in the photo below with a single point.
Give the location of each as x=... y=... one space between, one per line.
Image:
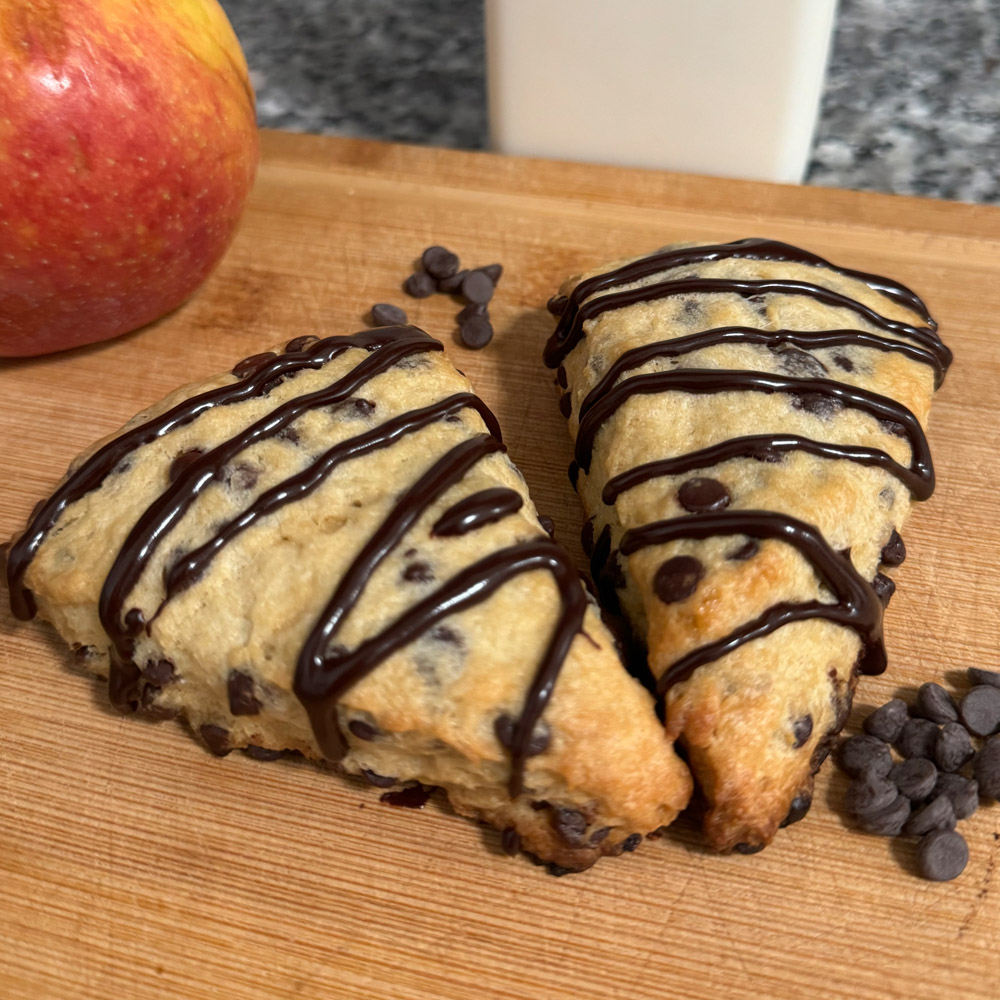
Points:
x=748 y=432
x=328 y=551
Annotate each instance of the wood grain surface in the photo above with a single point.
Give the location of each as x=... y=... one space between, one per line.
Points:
x=135 y=865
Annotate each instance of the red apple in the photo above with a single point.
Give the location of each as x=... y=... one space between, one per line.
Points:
x=128 y=145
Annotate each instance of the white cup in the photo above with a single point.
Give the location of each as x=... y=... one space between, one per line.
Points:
x=724 y=87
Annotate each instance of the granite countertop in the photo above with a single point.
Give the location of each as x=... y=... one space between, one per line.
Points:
x=911 y=103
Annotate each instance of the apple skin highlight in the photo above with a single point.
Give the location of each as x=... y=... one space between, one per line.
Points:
x=128 y=146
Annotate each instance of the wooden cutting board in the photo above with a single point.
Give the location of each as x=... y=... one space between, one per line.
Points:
x=135 y=865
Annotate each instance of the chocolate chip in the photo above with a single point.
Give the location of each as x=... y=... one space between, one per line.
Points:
x=363 y=730
x=289 y=434
x=915 y=778
x=986 y=768
x=504 y=726
x=816 y=403
x=300 y=343
x=677 y=578
x=917 y=738
x=378 y=780
x=442 y=633
x=249 y=365
x=797 y=809
x=886 y=723
x=942 y=855
x=439 y=262
x=242 y=700
x=566 y=404
x=571 y=826
x=745 y=848
x=493 y=272
x=893 y=427
x=477 y=287
x=859 y=753
x=364 y=407
x=386 y=314
x=476 y=332
x=451 y=284
x=938 y=814
x=868 y=793
x=548 y=525
x=802 y=729
x=262 y=753
x=746 y=551
x=702 y=494
x=216 y=739
x=765 y=453
x=979 y=676
x=510 y=841
x=418 y=572
x=631 y=842
x=888 y=822
x=419 y=285
x=557 y=304
x=963 y=792
x=894 y=551
x=183 y=462
x=884 y=588
x=241 y=476
x=953 y=748
x=472 y=309
x=980 y=710
x=159 y=673
x=792 y=361
x=844 y=363
x=934 y=703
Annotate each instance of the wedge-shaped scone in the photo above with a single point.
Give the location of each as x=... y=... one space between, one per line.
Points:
x=328 y=551
x=748 y=427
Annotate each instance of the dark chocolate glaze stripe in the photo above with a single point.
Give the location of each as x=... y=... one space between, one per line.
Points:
x=484 y=507
x=168 y=509
x=93 y=472
x=752 y=249
x=919 y=477
x=321 y=679
x=772 y=339
x=192 y=566
x=555 y=354
x=857 y=605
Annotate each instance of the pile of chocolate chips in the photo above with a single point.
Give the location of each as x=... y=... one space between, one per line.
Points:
x=941 y=776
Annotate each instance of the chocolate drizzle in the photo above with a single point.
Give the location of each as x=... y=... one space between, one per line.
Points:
x=484 y=507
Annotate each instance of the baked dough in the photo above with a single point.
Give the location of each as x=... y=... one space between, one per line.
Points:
x=327 y=551
x=748 y=426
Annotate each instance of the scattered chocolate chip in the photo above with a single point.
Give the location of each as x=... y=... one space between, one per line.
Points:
x=566 y=404
x=262 y=753
x=953 y=748
x=746 y=551
x=797 y=809
x=869 y=793
x=477 y=287
x=942 y=855
x=914 y=778
x=745 y=848
x=183 y=462
x=378 y=780
x=979 y=676
x=884 y=588
x=134 y=621
x=571 y=826
x=418 y=572
x=451 y=284
x=792 y=361
x=363 y=730
x=802 y=729
x=241 y=476
x=631 y=842
x=677 y=579
x=934 y=703
x=249 y=365
x=510 y=841
x=894 y=551
x=986 y=768
x=917 y=738
x=472 y=309
x=386 y=314
x=216 y=739
x=980 y=710
x=493 y=272
x=844 y=363
x=289 y=434
x=859 y=753
x=419 y=285
x=888 y=822
x=893 y=427
x=548 y=525
x=364 y=407
x=557 y=304
x=159 y=673
x=439 y=262
x=702 y=494
x=300 y=343
x=504 y=726
x=242 y=700
x=963 y=792
x=476 y=332
x=886 y=723
x=938 y=814
x=816 y=403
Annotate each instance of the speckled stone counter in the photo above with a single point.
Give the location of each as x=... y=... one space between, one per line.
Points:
x=911 y=103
